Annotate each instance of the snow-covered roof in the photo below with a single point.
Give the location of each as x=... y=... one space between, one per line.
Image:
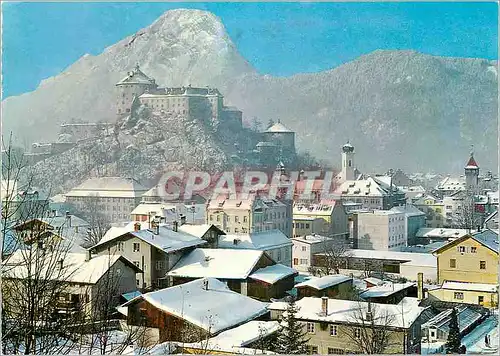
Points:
x=277 y=306
x=471 y=163
x=214 y=309
x=278 y=127
x=216 y=263
x=272 y=274
x=324 y=282
x=244 y=334
x=167 y=239
x=75 y=268
x=152 y=209
x=487 y=238
x=385 y=290
x=451 y=183
x=136 y=76
x=311 y=239
x=108 y=187
x=197 y=230
x=440 y=232
x=374 y=281
x=476 y=287
x=411 y=258
x=263 y=240
x=300 y=209
x=346 y=311
x=362 y=187
x=408 y=210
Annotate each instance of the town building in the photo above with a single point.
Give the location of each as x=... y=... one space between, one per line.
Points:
x=427 y=235
x=192 y=312
x=332 y=325
x=154 y=250
x=349 y=171
x=255 y=214
x=414 y=220
x=305 y=247
x=330 y=286
x=391 y=263
x=86 y=281
x=55 y=230
x=434 y=209
x=335 y=221
x=380 y=230
x=275 y=243
x=283 y=137
x=305 y=225
x=468 y=269
x=372 y=193
x=250 y=272
x=114 y=197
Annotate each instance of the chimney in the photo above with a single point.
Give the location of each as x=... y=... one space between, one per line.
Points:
x=176 y=226
x=137 y=226
x=478 y=228
x=324 y=306
x=235 y=241
x=88 y=255
x=183 y=219
x=420 y=286
x=155 y=227
x=60 y=263
x=205 y=284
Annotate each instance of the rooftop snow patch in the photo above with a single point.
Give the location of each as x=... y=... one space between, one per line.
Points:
x=273 y=274
x=346 y=311
x=217 y=263
x=263 y=240
x=324 y=282
x=214 y=309
x=475 y=287
x=385 y=290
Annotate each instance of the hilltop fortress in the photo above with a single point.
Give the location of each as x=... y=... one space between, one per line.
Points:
x=188 y=101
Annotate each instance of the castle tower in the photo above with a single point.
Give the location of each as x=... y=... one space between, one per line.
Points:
x=348 y=162
x=471 y=173
x=133 y=85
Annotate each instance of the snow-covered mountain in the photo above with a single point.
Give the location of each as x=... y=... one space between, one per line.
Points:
x=399 y=108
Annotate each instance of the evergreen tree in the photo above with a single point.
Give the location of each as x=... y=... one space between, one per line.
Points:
x=454 y=339
x=270 y=123
x=292 y=335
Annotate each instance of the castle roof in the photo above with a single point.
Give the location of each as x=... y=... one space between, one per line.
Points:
x=278 y=127
x=136 y=76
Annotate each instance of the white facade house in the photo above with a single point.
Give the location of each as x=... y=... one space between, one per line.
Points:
x=380 y=230
x=277 y=245
x=305 y=247
x=115 y=197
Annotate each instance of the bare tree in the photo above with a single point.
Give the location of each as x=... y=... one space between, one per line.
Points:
x=336 y=254
x=466 y=216
x=92 y=212
x=370 y=329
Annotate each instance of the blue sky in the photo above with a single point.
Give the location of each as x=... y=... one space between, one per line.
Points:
x=42 y=39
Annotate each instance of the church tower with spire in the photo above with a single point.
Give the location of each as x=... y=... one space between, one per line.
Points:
x=348 y=162
x=471 y=173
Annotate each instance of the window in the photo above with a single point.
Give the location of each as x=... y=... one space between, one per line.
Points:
x=357 y=333
x=482 y=264
x=237 y=219
x=310 y=328
x=137 y=264
x=335 y=351
x=218 y=217
x=295 y=261
x=333 y=330
x=312 y=350
x=136 y=247
x=121 y=246
x=461 y=249
x=211 y=218
x=160 y=265
x=453 y=263
x=236 y=230
x=304 y=248
x=137 y=282
x=458 y=295
x=473 y=249
x=480 y=300
x=307 y=226
x=303 y=261
x=279 y=255
x=301 y=225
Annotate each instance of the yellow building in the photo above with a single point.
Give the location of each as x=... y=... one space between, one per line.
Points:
x=336 y=326
x=468 y=269
x=332 y=214
x=434 y=210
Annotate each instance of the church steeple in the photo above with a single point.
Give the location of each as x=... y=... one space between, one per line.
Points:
x=471 y=172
